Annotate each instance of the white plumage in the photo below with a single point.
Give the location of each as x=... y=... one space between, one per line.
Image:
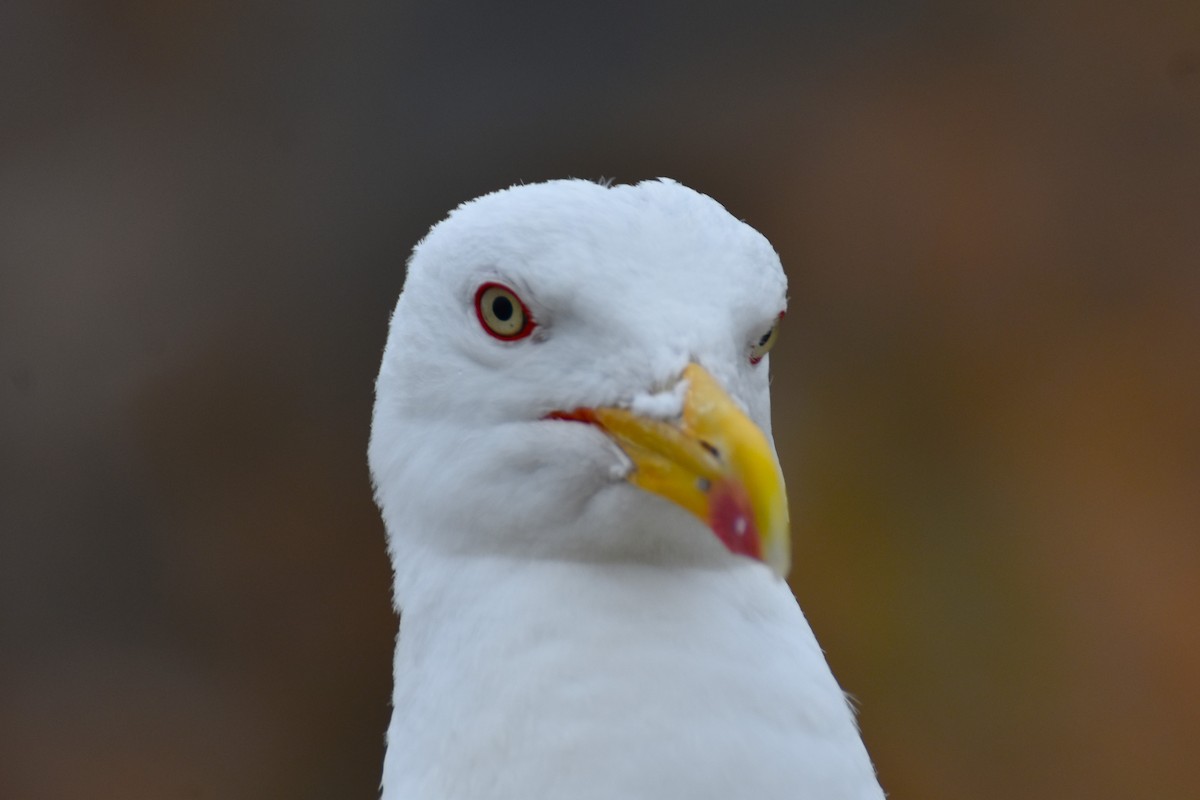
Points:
x=565 y=633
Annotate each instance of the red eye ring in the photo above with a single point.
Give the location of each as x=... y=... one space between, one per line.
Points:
x=501 y=313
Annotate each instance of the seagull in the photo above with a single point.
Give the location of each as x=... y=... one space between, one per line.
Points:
x=571 y=450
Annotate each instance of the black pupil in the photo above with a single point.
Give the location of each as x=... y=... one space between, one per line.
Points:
x=766 y=337
x=502 y=307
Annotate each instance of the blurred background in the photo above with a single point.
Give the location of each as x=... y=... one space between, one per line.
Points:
x=987 y=395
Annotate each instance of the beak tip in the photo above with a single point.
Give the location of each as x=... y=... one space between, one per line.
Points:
x=733 y=520
x=777 y=556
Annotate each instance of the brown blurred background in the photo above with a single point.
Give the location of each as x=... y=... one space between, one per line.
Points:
x=987 y=395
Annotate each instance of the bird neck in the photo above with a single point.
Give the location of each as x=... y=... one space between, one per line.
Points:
x=508 y=659
x=510 y=606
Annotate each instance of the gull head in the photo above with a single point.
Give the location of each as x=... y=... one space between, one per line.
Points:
x=580 y=371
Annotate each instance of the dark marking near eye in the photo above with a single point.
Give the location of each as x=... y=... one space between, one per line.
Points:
x=712 y=451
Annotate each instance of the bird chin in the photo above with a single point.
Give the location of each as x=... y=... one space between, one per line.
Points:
x=651 y=530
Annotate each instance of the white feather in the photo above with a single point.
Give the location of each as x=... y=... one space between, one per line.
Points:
x=664 y=405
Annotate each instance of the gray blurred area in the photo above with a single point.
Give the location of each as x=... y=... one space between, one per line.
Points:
x=987 y=392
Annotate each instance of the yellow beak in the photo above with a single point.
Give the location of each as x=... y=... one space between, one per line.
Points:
x=715 y=463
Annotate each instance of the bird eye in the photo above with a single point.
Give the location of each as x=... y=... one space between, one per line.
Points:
x=764 y=343
x=502 y=313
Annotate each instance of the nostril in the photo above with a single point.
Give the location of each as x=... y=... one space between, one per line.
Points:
x=712 y=451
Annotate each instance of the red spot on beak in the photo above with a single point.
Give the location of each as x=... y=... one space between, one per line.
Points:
x=731 y=518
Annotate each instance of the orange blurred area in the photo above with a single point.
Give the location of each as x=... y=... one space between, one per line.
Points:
x=987 y=392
